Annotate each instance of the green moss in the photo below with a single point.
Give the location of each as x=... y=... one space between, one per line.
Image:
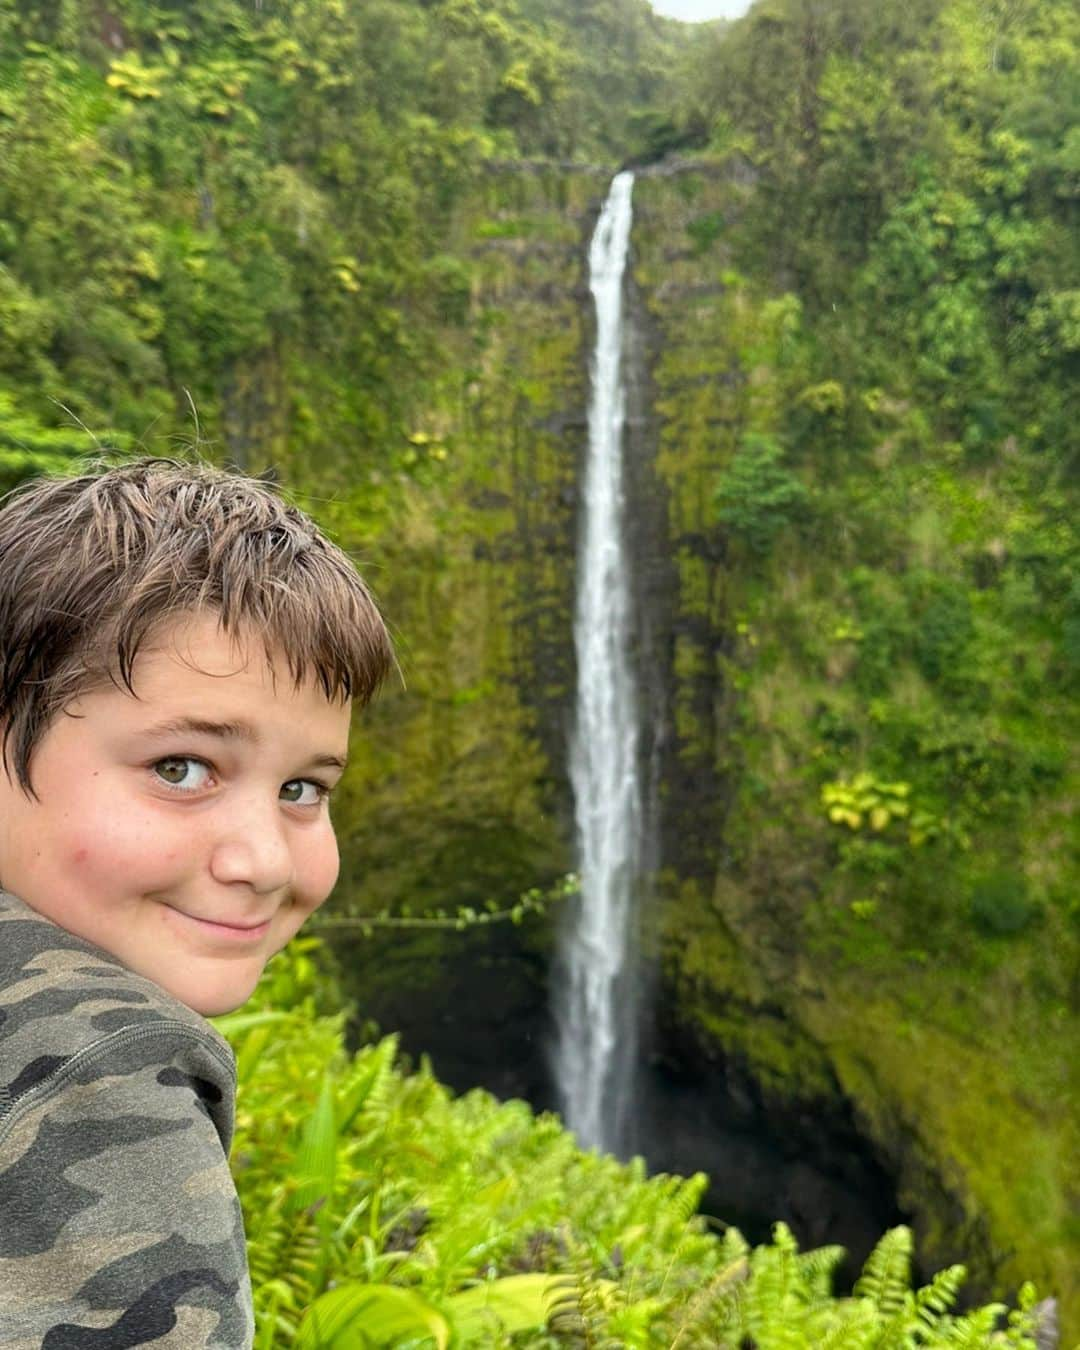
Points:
x=954 y=1117
x=985 y=1148
x=723 y=1001
x=450 y=797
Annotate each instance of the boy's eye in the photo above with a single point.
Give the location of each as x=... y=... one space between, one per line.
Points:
x=302 y=792
x=180 y=771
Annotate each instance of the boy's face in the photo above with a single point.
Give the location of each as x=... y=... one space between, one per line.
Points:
x=168 y=823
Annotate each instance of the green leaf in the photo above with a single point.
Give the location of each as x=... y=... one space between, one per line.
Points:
x=232 y=1024
x=355 y=1315
x=516 y=1302
x=316 y=1159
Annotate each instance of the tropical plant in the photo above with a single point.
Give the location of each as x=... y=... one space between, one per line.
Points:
x=381 y=1211
x=757 y=496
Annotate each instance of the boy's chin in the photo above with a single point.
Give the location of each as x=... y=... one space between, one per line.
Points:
x=219 y=1007
x=210 y=999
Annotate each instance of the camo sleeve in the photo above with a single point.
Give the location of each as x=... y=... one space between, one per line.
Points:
x=120 y=1224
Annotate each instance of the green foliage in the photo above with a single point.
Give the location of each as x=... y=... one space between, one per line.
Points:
x=199 y=199
x=29 y=449
x=363 y=1315
x=758 y=496
x=531 y=902
x=1071 y=626
x=1001 y=904
x=381 y=1211
x=906 y=179
x=866 y=800
x=943 y=625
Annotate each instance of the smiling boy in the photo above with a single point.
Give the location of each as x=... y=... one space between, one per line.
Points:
x=180 y=651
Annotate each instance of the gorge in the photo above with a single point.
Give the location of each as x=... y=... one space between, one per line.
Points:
x=770 y=1061
x=487 y=1010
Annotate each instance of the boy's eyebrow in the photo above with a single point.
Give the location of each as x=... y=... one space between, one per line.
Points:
x=227 y=731
x=202 y=726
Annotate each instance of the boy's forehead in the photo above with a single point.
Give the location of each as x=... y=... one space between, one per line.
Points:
x=193 y=673
x=202 y=643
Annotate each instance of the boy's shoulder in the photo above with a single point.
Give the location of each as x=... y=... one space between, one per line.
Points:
x=66 y=1004
x=116 y=1112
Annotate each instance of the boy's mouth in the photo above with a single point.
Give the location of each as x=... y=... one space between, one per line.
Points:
x=237 y=932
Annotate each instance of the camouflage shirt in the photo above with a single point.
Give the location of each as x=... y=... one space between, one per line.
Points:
x=119 y=1221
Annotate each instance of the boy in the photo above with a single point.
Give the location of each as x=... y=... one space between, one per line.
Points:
x=179 y=653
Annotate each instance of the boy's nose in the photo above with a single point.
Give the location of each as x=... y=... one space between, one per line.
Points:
x=254 y=852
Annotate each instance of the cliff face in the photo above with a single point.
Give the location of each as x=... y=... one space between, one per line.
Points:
x=896 y=1060
x=462 y=796
x=821 y=1069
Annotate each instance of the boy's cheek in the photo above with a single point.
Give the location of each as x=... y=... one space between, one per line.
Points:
x=333 y=864
x=119 y=841
x=120 y=862
x=310 y=897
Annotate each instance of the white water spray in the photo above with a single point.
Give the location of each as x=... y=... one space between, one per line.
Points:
x=596 y=1045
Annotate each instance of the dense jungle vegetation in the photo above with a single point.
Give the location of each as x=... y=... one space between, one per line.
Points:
x=341 y=242
x=256 y=203
x=466 y=1221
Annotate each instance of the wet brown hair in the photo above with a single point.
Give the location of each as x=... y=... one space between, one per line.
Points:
x=91 y=565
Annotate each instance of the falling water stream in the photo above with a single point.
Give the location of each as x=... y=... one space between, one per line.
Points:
x=595 y=1014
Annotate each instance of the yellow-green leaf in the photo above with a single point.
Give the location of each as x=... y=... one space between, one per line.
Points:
x=385 y=1313
x=316 y=1159
x=515 y=1303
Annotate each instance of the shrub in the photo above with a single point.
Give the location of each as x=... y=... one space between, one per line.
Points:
x=944 y=625
x=1000 y=903
x=757 y=496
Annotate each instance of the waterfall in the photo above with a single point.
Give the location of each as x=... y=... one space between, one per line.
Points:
x=596 y=1013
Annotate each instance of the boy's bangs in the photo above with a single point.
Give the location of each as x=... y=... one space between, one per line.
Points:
x=303 y=604
x=92 y=567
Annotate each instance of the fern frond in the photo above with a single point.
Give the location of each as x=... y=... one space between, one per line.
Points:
x=855 y=1326
x=773 y=1312
x=581 y=1304
x=696 y=1312
x=369 y=1083
x=285 y=1262
x=938 y=1297
x=975 y=1331
x=818 y=1267
x=886 y=1276
x=733 y=1246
